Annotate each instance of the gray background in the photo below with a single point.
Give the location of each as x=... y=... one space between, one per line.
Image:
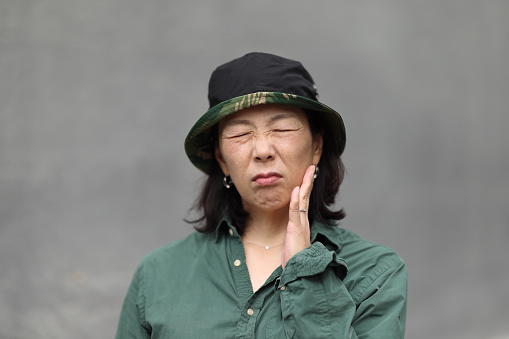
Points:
x=96 y=98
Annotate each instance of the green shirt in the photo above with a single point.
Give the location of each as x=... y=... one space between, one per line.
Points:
x=199 y=287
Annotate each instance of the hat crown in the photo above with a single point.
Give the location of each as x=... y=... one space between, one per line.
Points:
x=260 y=72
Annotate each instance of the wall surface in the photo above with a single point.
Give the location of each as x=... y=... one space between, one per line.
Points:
x=96 y=98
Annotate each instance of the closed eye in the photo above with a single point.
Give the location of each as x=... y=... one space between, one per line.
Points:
x=239 y=135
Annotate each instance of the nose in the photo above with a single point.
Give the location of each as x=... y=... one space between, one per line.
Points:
x=263 y=148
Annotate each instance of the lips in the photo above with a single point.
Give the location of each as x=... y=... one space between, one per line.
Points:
x=265 y=179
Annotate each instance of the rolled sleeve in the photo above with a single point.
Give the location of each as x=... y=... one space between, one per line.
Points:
x=315 y=302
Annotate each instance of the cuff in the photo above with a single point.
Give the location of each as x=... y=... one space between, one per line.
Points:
x=312 y=261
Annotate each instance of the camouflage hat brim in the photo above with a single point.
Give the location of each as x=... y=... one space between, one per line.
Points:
x=198 y=144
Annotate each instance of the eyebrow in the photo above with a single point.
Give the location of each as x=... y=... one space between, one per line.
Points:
x=280 y=116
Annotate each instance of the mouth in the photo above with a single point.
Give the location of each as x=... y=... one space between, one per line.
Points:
x=266 y=179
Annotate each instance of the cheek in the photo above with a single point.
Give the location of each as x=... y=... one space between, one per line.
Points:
x=298 y=148
x=234 y=157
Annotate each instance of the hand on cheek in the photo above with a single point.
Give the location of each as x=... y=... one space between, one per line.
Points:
x=297 y=232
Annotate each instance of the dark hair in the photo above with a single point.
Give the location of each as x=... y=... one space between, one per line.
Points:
x=215 y=200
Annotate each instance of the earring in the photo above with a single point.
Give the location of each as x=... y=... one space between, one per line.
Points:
x=316 y=171
x=227 y=181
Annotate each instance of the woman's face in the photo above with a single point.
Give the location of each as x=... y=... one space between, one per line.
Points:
x=265 y=150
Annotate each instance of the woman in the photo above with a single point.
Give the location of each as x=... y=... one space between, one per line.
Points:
x=268 y=260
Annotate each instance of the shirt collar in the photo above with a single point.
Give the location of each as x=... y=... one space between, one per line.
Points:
x=326 y=234
x=225 y=225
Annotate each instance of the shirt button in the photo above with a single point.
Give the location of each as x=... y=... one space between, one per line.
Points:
x=283 y=288
x=231 y=232
x=250 y=311
x=237 y=262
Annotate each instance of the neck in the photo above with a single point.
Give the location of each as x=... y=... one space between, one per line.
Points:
x=267 y=227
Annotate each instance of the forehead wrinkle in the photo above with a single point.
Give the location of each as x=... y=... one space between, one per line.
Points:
x=280 y=116
x=272 y=119
x=233 y=120
x=236 y=122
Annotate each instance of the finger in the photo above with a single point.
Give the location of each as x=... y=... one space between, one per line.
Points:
x=307 y=183
x=294 y=213
x=305 y=193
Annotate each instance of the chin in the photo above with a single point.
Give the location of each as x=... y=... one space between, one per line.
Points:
x=272 y=203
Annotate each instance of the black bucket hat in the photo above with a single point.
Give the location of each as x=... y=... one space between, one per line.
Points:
x=257 y=79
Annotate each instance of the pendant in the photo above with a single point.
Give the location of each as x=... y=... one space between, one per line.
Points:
x=267 y=247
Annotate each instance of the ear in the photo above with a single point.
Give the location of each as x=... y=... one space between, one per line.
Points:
x=221 y=162
x=317 y=148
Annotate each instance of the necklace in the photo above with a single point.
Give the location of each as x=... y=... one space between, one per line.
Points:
x=266 y=247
